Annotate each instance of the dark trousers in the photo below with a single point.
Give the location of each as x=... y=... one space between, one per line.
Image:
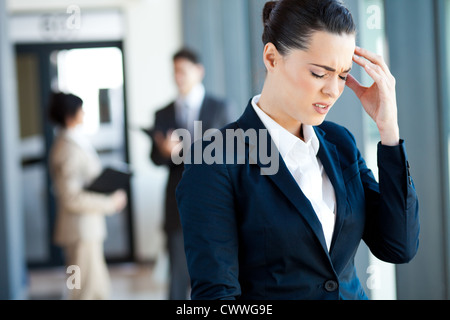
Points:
x=179 y=281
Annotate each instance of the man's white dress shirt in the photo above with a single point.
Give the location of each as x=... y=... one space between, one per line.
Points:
x=188 y=108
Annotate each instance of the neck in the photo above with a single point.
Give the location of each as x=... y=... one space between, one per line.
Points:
x=70 y=126
x=270 y=104
x=189 y=90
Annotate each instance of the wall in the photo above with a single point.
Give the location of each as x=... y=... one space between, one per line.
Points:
x=415 y=40
x=12 y=262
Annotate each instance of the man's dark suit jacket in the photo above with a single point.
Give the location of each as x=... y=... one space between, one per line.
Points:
x=254 y=236
x=214 y=113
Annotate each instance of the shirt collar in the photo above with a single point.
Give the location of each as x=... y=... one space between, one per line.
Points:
x=194 y=99
x=283 y=139
x=78 y=136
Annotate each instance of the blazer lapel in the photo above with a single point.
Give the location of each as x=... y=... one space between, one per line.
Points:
x=206 y=113
x=287 y=184
x=169 y=119
x=283 y=179
x=330 y=160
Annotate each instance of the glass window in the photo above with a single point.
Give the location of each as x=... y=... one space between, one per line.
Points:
x=381 y=276
x=91 y=73
x=373 y=38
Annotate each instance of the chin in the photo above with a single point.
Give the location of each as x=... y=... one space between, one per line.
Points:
x=319 y=122
x=315 y=122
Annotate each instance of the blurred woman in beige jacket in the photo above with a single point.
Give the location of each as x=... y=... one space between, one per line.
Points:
x=80 y=227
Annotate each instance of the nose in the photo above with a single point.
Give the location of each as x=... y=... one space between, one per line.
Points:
x=332 y=88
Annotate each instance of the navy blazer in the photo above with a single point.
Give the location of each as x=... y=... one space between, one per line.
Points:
x=254 y=236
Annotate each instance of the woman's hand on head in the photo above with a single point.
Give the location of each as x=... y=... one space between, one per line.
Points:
x=379 y=100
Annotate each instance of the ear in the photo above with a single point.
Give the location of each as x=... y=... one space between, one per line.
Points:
x=270 y=56
x=201 y=70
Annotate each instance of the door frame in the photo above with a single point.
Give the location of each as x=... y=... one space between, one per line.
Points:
x=43 y=51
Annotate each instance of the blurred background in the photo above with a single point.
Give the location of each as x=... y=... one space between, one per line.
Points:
x=117 y=56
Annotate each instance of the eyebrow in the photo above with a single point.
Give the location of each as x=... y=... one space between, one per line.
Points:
x=329 y=68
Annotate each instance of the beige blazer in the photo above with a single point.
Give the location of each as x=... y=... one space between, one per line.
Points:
x=80 y=214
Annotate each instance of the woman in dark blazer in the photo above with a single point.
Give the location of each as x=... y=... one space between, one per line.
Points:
x=252 y=232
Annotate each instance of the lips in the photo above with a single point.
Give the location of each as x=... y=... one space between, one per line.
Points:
x=322 y=108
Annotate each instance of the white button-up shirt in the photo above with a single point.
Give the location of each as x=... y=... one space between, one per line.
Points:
x=304 y=165
x=188 y=108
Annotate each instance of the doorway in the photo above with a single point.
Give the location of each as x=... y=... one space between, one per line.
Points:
x=95 y=72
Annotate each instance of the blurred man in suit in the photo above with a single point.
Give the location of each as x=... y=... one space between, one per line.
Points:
x=192 y=104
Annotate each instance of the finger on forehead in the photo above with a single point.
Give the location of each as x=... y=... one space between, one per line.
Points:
x=377 y=76
x=372 y=57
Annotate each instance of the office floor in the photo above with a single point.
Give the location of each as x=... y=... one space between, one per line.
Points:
x=129 y=282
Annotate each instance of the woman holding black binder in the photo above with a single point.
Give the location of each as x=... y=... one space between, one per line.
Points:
x=80 y=227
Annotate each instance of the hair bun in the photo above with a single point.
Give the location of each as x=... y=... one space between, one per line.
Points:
x=267 y=11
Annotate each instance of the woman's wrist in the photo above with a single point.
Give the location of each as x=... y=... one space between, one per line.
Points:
x=390 y=135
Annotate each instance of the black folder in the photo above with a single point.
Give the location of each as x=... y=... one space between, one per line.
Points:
x=149 y=131
x=111 y=180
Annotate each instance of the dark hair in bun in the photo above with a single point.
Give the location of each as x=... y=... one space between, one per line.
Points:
x=289 y=24
x=63 y=106
x=268 y=8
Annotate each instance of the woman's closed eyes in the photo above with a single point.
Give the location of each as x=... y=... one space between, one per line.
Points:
x=323 y=76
